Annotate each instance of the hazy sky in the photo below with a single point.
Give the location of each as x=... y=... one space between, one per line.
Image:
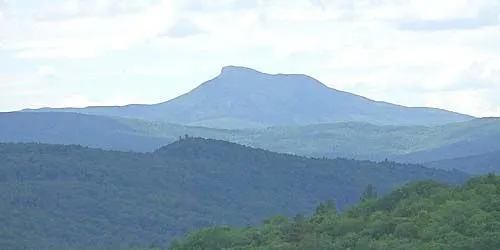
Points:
x=441 y=53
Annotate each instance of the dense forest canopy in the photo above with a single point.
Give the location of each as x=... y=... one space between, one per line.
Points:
x=420 y=215
x=363 y=141
x=56 y=196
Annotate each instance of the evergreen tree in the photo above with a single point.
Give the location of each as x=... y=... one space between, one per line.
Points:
x=369 y=193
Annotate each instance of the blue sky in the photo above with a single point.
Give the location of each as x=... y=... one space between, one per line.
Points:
x=438 y=53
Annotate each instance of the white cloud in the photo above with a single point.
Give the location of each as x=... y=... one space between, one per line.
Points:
x=3 y=6
x=87 y=8
x=46 y=71
x=87 y=35
x=81 y=101
x=9 y=81
x=184 y=28
x=412 y=52
x=465 y=101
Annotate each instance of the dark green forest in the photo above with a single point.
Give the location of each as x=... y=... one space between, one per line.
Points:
x=363 y=141
x=424 y=215
x=73 y=197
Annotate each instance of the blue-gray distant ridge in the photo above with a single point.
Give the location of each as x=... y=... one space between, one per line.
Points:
x=241 y=97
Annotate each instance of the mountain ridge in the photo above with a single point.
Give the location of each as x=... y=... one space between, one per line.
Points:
x=241 y=97
x=472 y=164
x=364 y=141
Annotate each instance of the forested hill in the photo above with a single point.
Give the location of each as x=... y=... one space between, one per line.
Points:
x=476 y=164
x=64 y=197
x=419 y=215
x=416 y=144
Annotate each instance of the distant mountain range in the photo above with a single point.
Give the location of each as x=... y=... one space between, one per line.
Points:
x=416 y=144
x=71 y=197
x=241 y=97
x=474 y=164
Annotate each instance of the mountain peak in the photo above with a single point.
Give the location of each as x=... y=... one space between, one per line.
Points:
x=242 y=97
x=239 y=71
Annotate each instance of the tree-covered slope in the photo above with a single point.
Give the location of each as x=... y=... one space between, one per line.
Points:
x=420 y=215
x=241 y=97
x=359 y=140
x=415 y=144
x=64 y=197
x=72 y=128
x=475 y=164
x=368 y=141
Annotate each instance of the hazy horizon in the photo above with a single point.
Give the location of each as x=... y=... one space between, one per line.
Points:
x=76 y=53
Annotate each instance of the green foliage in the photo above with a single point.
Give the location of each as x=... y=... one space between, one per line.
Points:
x=67 y=197
x=419 y=215
x=369 y=193
x=360 y=140
x=344 y=139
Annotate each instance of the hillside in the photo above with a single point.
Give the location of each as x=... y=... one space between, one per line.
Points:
x=240 y=97
x=421 y=215
x=72 y=128
x=62 y=197
x=367 y=141
x=475 y=164
x=415 y=144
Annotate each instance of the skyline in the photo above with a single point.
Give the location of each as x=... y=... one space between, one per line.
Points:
x=109 y=52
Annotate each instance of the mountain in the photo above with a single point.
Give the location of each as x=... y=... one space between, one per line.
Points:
x=416 y=144
x=420 y=215
x=72 y=197
x=475 y=164
x=241 y=97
